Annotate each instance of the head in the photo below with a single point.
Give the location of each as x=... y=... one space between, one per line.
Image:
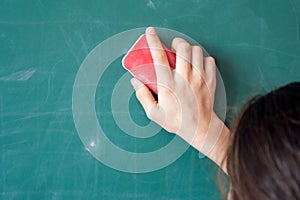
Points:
x=263 y=159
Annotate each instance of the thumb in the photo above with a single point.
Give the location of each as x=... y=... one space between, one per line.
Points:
x=145 y=97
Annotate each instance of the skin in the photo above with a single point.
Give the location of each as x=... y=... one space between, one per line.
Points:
x=185 y=97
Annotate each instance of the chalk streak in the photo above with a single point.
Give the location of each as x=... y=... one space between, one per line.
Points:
x=150 y=4
x=69 y=44
x=92 y=21
x=49 y=80
x=22 y=75
x=14 y=143
x=296 y=17
x=260 y=47
x=83 y=44
x=35 y=115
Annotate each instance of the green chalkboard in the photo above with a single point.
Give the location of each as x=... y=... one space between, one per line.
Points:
x=43 y=43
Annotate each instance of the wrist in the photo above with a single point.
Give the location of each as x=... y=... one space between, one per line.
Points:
x=214 y=141
x=219 y=150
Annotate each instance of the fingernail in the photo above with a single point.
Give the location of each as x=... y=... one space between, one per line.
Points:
x=134 y=83
x=151 y=31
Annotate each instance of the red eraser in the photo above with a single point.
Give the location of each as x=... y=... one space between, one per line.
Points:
x=138 y=61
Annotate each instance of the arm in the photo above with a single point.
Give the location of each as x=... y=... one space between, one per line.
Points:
x=218 y=143
x=185 y=97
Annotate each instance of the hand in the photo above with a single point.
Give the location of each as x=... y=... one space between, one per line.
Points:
x=185 y=95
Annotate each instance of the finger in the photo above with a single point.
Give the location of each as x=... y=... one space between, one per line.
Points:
x=160 y=59
x=183 y=57
x=197 y=59
x=210 y=68
x=144 y=96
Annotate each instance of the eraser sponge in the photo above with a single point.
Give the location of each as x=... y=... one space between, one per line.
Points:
x=138 y=61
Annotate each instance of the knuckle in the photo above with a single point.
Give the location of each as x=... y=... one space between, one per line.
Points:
x=211 y=59
x=138 y=95
x=209 y=81
x=149 y=115
x=176 y=40
x=197 y=49
x=200 y=82
x=159 y=56
x=184 y=46
x=150 y=112
x=164 y=92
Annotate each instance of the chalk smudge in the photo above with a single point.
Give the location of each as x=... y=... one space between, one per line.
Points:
x=150 y=4
x=22 y=75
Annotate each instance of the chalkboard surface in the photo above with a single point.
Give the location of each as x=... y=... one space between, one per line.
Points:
x=42 y=45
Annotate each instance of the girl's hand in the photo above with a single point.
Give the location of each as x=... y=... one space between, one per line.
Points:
x=185 y=95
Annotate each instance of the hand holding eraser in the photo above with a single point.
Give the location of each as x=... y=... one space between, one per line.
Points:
x=138 y=61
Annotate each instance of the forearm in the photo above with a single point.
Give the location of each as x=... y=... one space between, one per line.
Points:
x=215 y=142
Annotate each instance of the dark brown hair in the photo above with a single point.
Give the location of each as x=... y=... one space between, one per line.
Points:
x=263 y=159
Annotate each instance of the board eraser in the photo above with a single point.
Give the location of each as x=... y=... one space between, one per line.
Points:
x=138 y=61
